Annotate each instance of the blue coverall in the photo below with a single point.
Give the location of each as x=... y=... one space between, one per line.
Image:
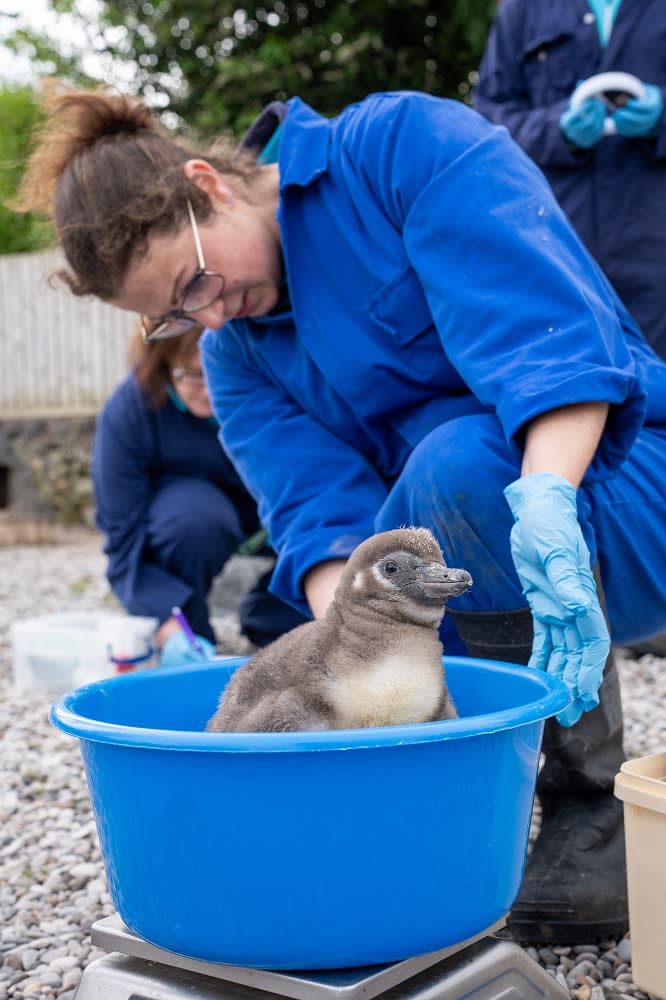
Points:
x=615 y=192
x=440 y=300
x=173 y=510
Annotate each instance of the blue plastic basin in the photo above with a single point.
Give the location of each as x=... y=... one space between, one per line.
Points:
x=310 y=850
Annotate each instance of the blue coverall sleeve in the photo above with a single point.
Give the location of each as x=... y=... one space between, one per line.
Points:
x=282 y=453
x=522 y=310
x=123 y=493
x=502 y=94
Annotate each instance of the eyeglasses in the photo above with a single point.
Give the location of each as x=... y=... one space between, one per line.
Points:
x=188 y=376
x=204 y=288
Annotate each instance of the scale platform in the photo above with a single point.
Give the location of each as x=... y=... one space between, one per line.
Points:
x=485 y=967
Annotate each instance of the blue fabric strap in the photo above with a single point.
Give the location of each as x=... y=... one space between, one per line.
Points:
x=176 y=400
x=180 y=405
x=605 y=12
x=270 y=152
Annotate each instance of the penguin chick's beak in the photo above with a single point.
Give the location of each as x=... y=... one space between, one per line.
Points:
x=442 y=582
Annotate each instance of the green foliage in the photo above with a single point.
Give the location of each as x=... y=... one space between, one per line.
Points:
x=19 y=116
x=217 y=64
x=213 y=64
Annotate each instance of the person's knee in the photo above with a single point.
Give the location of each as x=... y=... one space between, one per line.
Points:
x=460 y=470
x=453 y=483
x=196 y=517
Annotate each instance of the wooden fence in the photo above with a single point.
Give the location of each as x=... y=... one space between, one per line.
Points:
x=60 y=355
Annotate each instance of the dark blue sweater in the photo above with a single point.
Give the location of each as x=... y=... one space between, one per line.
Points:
x=136 y=451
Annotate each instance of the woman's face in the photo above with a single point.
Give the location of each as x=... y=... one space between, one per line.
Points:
x=239 y=242
x=188 y=381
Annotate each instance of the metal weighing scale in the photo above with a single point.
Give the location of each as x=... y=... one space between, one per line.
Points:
x=484 y=967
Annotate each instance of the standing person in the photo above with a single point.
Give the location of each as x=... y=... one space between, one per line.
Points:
x=613 y=188
x=405 y=329
x=170 y=503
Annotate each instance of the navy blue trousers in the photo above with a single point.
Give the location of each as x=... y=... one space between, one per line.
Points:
x=453 y=483
x=193 y=529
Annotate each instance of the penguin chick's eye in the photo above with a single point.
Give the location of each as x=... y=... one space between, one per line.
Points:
x=391 y=567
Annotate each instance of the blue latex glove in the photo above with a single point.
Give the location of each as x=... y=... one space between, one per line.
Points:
x=641 y=116
x=584 y=126
x=571 y=639
x=177 y=649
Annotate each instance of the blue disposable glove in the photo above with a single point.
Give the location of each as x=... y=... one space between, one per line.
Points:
x=640 y=116
x=177 y=649
x=571 y=639
x=584 y=126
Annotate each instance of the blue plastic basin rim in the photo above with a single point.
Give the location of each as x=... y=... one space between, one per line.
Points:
x=64 y=716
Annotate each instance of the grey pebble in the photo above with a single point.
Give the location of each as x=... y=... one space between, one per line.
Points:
x=63 y=962
x=577 y=975
x=623 y=949
x=71 y=978
x=29 y=959
x=50 y=978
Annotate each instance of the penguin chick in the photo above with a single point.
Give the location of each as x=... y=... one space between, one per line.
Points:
x=374 y=659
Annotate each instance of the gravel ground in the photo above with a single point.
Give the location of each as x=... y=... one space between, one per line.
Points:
x=52 y=884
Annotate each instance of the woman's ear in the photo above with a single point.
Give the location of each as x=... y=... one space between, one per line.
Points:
x=210 y=180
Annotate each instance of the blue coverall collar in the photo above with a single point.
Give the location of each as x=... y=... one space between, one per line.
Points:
x=305 y=156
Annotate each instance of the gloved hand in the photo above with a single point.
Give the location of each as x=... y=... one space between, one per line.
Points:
x=571 y=639
x=640 y=116
x=584 y=126
x=177 y=649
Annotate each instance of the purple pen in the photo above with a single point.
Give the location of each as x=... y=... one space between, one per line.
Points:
x=187 y=629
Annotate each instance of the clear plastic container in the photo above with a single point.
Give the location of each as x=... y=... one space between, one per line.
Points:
x=59 y=652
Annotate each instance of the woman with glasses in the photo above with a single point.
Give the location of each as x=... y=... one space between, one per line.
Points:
x=404 y=329
x=170 y=503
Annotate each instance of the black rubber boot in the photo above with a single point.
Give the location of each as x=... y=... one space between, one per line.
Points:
x=574 y=890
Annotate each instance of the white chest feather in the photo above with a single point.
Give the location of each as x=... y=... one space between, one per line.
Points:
x=394 y=691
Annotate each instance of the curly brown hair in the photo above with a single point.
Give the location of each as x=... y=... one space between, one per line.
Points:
x=110 y=177
x=152 y=363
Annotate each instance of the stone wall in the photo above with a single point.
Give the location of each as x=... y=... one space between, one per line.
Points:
x=45 y=470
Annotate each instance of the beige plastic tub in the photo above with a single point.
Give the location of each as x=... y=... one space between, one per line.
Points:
x=641 y=784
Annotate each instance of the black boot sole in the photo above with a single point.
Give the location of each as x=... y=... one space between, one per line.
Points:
x=526 y=930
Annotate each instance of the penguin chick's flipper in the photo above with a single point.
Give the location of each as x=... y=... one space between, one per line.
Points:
x=374 y=659
x=286 y=712
x=446 y=709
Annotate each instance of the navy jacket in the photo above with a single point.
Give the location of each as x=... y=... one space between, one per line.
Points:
x=615 y=193
x=136 y=450
x=428 y=279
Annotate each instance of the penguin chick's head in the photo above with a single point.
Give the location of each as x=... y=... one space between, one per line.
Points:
x=404 y=572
